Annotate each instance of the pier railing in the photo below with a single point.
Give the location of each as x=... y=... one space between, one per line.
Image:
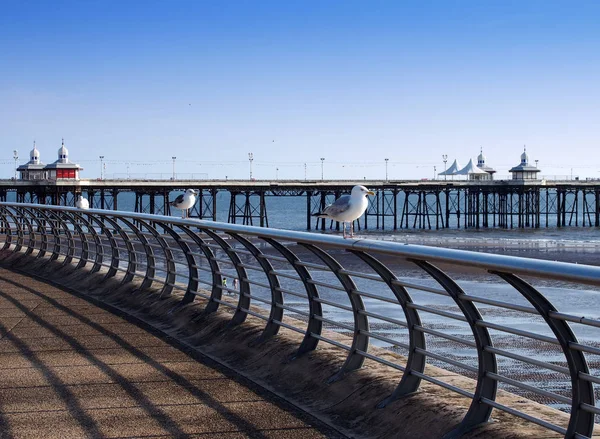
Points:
x=508 y=323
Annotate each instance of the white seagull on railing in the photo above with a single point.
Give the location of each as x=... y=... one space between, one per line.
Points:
x=347 y=208
x=185 y=201
x=82 y=203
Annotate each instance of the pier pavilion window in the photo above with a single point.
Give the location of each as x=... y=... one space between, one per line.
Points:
x=65 y=173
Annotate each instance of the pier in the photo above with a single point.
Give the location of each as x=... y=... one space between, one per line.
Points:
x=432 y=204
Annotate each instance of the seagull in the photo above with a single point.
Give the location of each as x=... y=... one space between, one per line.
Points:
x=82 y=203
x=185 y=202
x=347 y=208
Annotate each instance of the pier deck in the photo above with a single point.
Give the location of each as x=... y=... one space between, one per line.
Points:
x=426 y=204
x=70 y=369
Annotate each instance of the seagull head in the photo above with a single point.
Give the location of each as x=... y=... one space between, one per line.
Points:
x=191 y=192
x=361 y=191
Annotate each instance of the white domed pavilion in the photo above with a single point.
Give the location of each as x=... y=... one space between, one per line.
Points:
x=61 y=169
x=34 y=169
x=523 y=171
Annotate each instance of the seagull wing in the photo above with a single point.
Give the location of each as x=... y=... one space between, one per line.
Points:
x=177 y=200
x=340 y=205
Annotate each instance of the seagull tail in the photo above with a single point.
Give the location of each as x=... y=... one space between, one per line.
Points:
x=320 y=215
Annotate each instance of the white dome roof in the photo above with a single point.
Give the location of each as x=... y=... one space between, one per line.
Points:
x=34 y=154
x=524 y=157
x=63 y=153
x=62 y=149
x=481 y=158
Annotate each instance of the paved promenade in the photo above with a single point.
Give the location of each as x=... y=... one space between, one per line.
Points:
x=69 y=369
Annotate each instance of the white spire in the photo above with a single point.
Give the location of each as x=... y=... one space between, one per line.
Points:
x=524 y=157
x=34 y=155
x=63 y=153
x=480 y=158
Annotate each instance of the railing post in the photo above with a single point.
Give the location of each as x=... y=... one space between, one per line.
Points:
x=191 y=263
x=170 y=268
x=581 y=422
x=479 y=412
x=31 y=244
x=315 y=324
x=244 y=294
x=216 y=292
x=276 y=312
x=150 y=260
x=416 y=360
x=360 y=340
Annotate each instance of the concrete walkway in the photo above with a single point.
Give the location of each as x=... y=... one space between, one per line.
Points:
x=69 y=369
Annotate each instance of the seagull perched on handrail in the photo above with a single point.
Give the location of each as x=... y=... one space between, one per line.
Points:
x=185 y=201
x=347 y=208
x=82 y=203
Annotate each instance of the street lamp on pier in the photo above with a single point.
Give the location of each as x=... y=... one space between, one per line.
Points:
x=276 y=173
x=536 y=163
x=386 y=173
x=101 y=167
x=434 y=171
x=304 y=171
x=16 y=157
x=174 y=158
x=250 y=159
x=445 y=159
x=322 y=160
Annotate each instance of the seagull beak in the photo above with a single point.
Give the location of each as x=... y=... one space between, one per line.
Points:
x=370 y=193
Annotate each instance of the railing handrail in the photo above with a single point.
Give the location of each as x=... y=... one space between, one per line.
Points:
x=588 y=274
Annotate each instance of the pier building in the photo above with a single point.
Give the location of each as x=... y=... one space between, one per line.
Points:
x=473 y=172
x=484 y=167
x=479 y=172
x=61 y=169
x=34 y=169
x=524 y=171
x=451 y=171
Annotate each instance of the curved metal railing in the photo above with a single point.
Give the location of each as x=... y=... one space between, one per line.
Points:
x=496 y=324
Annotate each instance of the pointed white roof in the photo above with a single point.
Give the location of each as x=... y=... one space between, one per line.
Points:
x=452 y=169
x=470 y=169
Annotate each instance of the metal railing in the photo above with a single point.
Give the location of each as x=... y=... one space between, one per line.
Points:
x=494 y=325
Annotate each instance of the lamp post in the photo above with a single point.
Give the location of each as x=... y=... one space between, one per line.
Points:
x=386 y=173
x=250 y=159
x=304 y=171
x=101 y=168
x=174 y=158
x=445 y=159
x=16 y=157
x=322 y=160
x=276 y=173
x=536 y=163
x=434 y=170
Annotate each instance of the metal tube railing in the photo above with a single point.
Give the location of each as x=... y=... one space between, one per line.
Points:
x=444 y=326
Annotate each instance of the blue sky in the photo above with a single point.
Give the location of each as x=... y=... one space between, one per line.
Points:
x=354 y=82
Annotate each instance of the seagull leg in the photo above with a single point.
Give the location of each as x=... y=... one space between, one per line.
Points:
x=344 y=229
x=352 y=229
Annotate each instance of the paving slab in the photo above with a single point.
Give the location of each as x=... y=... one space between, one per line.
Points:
x=69 y=369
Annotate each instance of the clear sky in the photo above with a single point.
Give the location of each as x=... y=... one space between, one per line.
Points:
x=354 y=82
